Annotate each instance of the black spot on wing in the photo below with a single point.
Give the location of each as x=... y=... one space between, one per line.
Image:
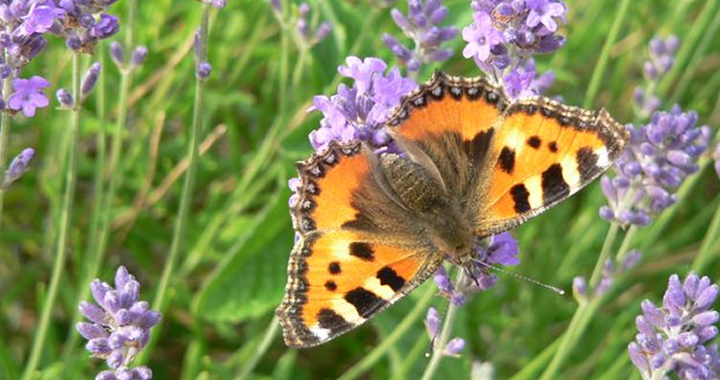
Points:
x=365 y=301
x=553 y=147
x=534 y=142
x=329 y=319
x=389 y=277
x=507 y=160
x=361 y=222
x=587 y=164
x=334 y=268
x=330 y=285
x=363 y=251
x=554 y=186
x=477 y=148
x=521 y=197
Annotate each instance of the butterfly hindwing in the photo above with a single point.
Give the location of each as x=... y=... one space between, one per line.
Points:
x=355 y=254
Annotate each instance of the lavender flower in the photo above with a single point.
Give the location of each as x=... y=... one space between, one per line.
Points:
x=304 y=30
x=501 y=249
x=659 y=157
x=360 y=111
x=421 y=26
x=84 y=23
x=119 y=327
x=504 y=36
x=28 y=95
x=432 y=324
x=661 y=59
x=18 y=166
x=674 y=337
x=23 y=26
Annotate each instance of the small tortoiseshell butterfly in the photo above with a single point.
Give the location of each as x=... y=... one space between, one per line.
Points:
x=372 y=228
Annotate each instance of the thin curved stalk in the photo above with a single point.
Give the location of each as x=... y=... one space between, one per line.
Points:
x=437 y=352
x=599 y=71
x=189 y=184
x=64 y=226
x=4 y=137
x=270 y=333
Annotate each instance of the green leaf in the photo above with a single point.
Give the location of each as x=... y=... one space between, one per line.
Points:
x=250 y=281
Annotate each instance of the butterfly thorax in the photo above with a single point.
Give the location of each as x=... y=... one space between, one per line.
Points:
x=438 y=215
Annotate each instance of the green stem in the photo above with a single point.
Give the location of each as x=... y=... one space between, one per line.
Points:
x=439 y=346
x=4 y=138
x=704 y=256
x=594 y=86
x=585 y=312
x=64 y=226
x=270 y=333
x=369 y=360
x=100 y=230
x=181 y=222
x=604 y=254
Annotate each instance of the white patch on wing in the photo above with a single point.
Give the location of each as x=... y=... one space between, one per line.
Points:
x=321 y=333
x=346 y=310
x=570 y=172
x=383 y=291
x=534 y=187
x=603 y=157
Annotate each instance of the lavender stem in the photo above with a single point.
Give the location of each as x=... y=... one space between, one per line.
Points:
x=4 y=137
x=160 y=302
x=63 y=228
x=444 y=337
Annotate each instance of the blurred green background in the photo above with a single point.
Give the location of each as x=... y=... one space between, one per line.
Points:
x=231 y=271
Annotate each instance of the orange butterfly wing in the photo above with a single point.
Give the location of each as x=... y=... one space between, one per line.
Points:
x=355 y=255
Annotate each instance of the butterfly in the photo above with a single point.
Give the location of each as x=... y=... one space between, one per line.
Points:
x=373 y=227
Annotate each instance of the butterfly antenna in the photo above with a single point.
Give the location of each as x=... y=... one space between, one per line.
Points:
x=521 y=277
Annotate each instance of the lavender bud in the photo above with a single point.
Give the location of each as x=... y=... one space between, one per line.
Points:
x=632 y=259
x=106 y=375
x=73 y=42
x=117 y=53
x=579 y=287
x=323 y=31
x=706 y=318
x=432 y=322
x=139 y=55
x=203 y=70
x=454 y=347
x=91 y=77
x=18 y=166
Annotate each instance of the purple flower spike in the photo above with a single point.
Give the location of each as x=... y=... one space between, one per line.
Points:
x=305 y=31
x=504 y=36
x=421 y=25
x=360 y=111
x=661 y=58
x=29 y=95
x=120 y=326
x=660 y=156
x=18 y=166
x=672 y=338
